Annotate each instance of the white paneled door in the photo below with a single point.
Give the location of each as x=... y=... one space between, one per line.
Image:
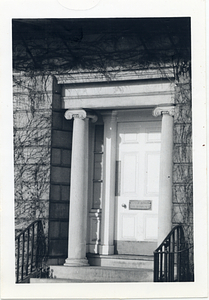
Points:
x=137 y=187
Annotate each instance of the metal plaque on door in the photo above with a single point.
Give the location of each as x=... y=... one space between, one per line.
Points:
x=140 y=204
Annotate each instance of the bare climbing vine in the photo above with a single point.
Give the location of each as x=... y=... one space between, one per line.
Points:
x=32 y=143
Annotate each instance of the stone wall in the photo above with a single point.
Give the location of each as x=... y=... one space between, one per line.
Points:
x=182 y=210
x=60 y=181
x=42 y=156
x=32 y=148
x=182 y=159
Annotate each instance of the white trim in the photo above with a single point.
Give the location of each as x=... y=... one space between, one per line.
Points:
x=136 y=115
x=108 y=194
x=90 y=178
x=126 y=95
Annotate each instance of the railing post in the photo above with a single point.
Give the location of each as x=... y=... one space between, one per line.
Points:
x=187 y=264
x=27 y=257
x=165 y=266
x=37 y=244
x=18 y=259
x=161 y=266
x=23 y=249
x=32 y=245
x=156 y=266
x=171 y=267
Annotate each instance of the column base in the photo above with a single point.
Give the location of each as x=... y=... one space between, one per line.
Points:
x=76 y=262
x=106 y=249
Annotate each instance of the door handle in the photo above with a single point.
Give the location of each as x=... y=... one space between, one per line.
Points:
x=117 y=178
x=123 y=205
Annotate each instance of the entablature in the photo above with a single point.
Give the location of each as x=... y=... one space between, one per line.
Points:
x=118 y=94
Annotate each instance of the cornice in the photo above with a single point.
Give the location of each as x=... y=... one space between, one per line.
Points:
x=116 y=75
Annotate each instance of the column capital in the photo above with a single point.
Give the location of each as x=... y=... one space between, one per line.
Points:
x=80 y=114
x=161 y=110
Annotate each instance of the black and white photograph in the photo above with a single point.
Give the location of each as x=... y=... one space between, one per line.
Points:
x=103 y=151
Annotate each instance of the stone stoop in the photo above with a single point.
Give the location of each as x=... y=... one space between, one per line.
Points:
x=102 y=268
x=122 y=261
x=97 y=274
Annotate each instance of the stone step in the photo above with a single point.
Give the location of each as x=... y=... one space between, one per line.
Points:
x=57 y=280
x=101 y=274
x=122 y=261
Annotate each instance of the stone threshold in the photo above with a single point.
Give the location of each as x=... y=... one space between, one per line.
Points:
x=121 y=256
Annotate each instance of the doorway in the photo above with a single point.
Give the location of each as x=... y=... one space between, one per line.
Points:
x=137 y=187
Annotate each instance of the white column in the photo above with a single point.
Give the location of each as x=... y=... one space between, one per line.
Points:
x=78 y=190
x=108 y=199
x=166 y=164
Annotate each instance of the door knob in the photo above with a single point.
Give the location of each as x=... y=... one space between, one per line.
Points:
x=124 y=205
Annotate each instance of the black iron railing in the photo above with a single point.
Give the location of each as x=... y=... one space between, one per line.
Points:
x=30 y=247
x=171 y=258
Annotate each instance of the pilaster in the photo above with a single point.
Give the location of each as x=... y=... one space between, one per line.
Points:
x=108 y=204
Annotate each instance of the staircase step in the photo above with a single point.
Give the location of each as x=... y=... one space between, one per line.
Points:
x=101 y=274
x=57 y=280
x=121 y=261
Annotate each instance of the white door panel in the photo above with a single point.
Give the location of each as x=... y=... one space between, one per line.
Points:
x=128 y=227
x=138 y=150
x=152 y=173
x=129 y=166
x=151 y=226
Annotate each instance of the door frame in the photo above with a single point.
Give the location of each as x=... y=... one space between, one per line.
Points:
x=144 y=246
x=146 y=90
x=111 y=119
